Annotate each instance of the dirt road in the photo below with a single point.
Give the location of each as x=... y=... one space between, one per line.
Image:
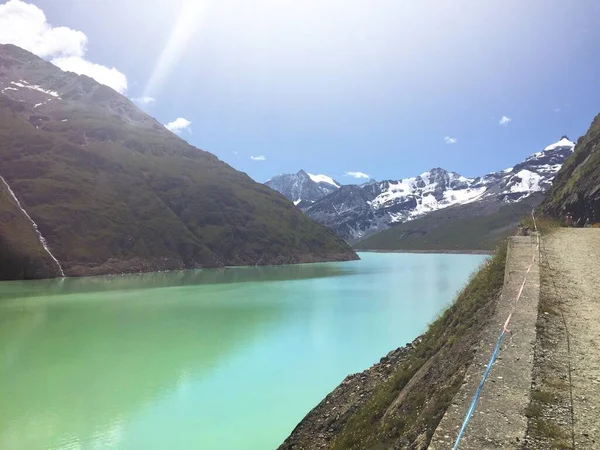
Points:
x=557 y=345
x=571 y=293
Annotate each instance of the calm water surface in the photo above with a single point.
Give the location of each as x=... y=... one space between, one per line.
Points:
x=217 y=359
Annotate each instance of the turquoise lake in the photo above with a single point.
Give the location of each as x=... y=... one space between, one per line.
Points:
x=227 y=359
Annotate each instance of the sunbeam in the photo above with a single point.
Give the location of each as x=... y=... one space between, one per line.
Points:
x=190 y=17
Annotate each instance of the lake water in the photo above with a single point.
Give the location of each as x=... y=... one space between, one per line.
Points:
x=228 y=359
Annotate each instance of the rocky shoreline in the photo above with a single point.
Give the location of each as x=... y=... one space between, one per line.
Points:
x=399 y=402
x=328 y=418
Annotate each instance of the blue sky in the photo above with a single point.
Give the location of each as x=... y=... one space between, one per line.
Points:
x=335 y=86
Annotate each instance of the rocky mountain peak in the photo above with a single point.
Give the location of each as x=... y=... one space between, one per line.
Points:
x=564 y=141
x=371 y=181
x=303 y=188
x=26 y=78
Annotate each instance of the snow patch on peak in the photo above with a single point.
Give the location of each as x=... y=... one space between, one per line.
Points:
x=303 y=187
x=323 y=179
x=528 y=182
x=564 y=142
x=34 y=87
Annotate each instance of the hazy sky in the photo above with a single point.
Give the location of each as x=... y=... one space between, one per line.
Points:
x=389 y=88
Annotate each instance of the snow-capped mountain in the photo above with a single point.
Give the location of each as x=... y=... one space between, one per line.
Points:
x=303 y=188
x=355 y=212
x=535 y=174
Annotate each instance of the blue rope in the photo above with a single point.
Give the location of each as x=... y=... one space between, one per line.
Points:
x=479 y=389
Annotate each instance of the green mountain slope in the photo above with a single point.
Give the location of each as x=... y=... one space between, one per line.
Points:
x=576 y=188
x=112 y=190
x=474 y=226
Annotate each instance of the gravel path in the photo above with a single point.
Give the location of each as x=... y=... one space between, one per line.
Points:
x=572 y=272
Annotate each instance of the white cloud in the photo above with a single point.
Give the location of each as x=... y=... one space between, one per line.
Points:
x=24 y=24
x=556 y=110
x=144 y=100
x=258 y=158
x=178 y=125
x=102 y=74
x=450 y=140
x=357 y=175
x=504 y=120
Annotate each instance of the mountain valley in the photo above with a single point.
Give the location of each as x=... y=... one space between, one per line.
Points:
x=356 y=212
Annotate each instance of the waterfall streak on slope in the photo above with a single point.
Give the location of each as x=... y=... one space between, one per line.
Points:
x=35 y=227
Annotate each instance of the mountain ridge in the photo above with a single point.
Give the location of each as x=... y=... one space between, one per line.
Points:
x=356 y=212
x=303 y=188
x=112 y=190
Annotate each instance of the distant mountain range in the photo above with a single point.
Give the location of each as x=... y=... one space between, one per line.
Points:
x=90 y=184
x=355 y=212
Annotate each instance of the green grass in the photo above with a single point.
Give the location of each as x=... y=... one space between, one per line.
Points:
x=545 y=224
x=412 y=402
x=543 y=396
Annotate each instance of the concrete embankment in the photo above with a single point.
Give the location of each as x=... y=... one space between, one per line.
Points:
x=499 y=420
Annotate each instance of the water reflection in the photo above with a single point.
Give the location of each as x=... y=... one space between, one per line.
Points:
x=21 y=289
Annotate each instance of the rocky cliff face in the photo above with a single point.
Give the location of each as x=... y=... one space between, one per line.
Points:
x=576 y=189
x=303 y=188
x=103 y=188
x=356 y=212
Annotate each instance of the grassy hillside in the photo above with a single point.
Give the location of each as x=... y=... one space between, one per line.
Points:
x=576 y=188
x=112 y=190
x=466 y=227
